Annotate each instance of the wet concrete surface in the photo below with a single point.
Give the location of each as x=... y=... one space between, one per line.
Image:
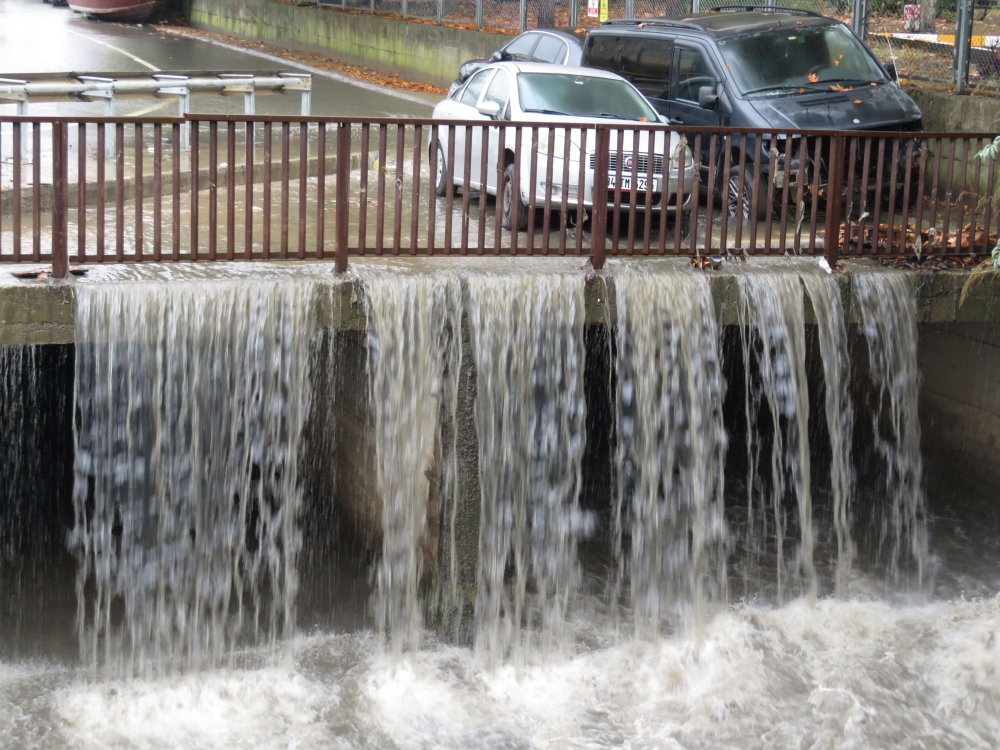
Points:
x=36 y=37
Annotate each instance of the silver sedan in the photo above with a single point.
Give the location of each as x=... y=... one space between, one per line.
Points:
x=656 y=169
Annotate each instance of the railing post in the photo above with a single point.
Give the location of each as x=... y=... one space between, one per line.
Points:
x=963 y=46
x=343 y=182
x=60 y=228
x=834 y=186
x=599 y=198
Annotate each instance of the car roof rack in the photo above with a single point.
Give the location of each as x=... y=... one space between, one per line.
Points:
x=671 y=22
x=764 y=9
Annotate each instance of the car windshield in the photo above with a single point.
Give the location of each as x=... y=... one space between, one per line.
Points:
x=819 y=58
x=582 y=96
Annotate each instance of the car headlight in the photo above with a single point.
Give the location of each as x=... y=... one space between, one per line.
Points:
x=681 y=155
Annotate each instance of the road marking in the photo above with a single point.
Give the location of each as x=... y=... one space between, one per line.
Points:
x=116 y=49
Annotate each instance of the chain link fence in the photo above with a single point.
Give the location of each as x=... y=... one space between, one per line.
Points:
x=893 y=28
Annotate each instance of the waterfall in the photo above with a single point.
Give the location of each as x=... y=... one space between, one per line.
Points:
x=888 y=318
x=831 y=329
x=772 y=329
x=670 y=456
x=527 y=339
x=190 y=402
x=412 y=321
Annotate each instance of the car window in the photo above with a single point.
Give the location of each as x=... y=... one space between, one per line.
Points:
x=643 y=60
x=550 y=49
x=582 y=96
x=470 y=95
x=693 y=72
x=520 y=48
x=499 y=90
x=813 y=58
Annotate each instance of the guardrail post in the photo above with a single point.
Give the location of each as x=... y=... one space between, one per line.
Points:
x=599 y=198
x=963 y=45
x=60 y=228
x=343 y=182
x=834 y=186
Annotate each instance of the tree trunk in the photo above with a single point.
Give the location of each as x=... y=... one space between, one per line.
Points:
x=928 y=16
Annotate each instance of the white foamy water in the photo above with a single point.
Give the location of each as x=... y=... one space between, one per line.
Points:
x=832 y=674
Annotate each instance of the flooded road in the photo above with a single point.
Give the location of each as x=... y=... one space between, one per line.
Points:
x=38 y=38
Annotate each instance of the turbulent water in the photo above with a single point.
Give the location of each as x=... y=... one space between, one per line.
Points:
x=762 y=570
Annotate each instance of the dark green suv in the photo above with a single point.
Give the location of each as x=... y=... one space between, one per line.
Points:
x=769 y=67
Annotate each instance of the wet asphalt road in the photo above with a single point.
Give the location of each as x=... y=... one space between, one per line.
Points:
x=36 y=37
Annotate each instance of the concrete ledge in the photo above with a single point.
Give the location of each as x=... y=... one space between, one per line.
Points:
x=42 y=311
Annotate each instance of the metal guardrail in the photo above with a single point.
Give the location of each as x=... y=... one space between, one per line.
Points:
x=98 y=190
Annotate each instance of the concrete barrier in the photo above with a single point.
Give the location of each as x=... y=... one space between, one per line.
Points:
x=421 y=52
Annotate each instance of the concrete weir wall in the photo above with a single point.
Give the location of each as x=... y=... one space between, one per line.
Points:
x=418 y=51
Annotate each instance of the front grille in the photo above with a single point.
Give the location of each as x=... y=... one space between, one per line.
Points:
x=641 y=163
x=640 y=200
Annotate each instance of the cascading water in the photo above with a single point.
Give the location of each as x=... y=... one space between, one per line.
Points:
x=888 y=321
x=190 y=401
x=527 y=339
x=190 y=407
x=772 y=325
x=671 y=447
x=413 y=319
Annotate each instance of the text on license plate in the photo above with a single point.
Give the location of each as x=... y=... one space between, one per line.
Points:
x=641 y=183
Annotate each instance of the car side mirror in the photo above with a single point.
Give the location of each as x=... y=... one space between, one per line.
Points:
x=890 y=68
x=708 y=97
x=490 y=109
x=664 y=119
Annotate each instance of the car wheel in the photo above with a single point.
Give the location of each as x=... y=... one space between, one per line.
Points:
x=750 y=188
x=441 y=186
x=511 y=194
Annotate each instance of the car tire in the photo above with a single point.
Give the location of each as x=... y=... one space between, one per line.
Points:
x=750 y=188
x=441 y=186
x=510 y=194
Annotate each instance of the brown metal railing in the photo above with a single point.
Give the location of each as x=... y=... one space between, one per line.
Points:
x=259 y=188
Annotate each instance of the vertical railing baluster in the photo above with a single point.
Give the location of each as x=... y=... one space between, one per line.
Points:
x=213 y=189
x=175 y=189
x=36 y=191
x=286 y=132
x=60 y=176
x=695 y=202
x=119 y=191
x=484 y=178
x=835 y=181
x=500 y=171
x=266 y=198
x=230 y=189
x=815 y=194
x=599 y=216
x=195 y=168
x=303 y=187
x=342 y=193
x=249 y=137
x=158 y=191
x=81 y=192
x=137 y=215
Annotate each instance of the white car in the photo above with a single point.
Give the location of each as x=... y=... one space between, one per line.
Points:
x=554 y=95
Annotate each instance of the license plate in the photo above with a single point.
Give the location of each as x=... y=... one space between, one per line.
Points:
x=641 y=183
